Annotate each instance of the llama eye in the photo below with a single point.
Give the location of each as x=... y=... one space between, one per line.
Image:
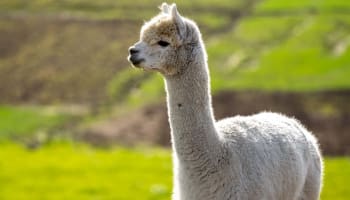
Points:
x=163 y=43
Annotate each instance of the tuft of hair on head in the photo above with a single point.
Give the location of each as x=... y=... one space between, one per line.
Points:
x=164 y=8
x=169 y=10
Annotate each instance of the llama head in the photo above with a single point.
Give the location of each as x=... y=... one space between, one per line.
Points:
x=166 y=43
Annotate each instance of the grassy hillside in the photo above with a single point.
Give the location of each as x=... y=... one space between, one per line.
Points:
x=29 y=118
x=70 y=50
x=278 y=46
x=34 y=125
x=59 y=52
x=110 y=9
x=68 y=171
x=298 y=46
x=54 y=59
x=75 y=51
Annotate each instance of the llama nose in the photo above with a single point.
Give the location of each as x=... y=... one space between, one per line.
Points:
x=133 y=50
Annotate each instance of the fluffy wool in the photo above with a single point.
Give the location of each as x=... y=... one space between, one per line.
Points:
x=266 y=156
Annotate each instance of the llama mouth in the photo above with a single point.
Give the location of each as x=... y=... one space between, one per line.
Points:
x=135 y=61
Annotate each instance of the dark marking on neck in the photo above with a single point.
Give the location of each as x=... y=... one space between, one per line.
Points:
x=179 y=105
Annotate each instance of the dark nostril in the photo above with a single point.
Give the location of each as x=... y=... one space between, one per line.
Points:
x=133 y=50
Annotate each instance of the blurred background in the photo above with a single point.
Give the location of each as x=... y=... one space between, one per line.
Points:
x=77 y=122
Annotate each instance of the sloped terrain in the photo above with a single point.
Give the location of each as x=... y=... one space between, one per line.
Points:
x=71 y=51
x=74 y=52
x=57 y=59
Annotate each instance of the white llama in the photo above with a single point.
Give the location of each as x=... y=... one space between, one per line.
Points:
x=266 y=156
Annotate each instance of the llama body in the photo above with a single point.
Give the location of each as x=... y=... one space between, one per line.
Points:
x=264 y=156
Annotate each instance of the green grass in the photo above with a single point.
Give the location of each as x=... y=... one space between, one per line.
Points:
x=25 y=120
x=297 y=51
x=108 y=9
x=80 y=56
x=288 y=53
x=337 y=175
x=302 y=5
x=72 y=171
x=66 y=171
x=278 y=46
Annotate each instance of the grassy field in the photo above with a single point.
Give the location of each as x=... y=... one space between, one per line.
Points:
x=301 y=46
x=73 y=171
x=74 y=51
x=262 y=45
x=17 y=121
x=66 y=171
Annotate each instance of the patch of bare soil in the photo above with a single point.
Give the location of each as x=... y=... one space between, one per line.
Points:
x=148 y=126
x=326 y=114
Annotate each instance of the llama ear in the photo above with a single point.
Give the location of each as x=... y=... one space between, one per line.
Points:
x=164 y=8
x=178 y=20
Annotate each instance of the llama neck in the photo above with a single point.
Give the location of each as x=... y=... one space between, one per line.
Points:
x=190 y=112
